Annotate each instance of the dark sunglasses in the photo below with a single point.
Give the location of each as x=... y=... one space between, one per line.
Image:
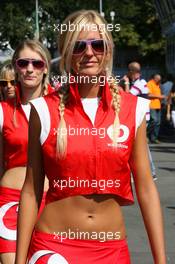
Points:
x=98 y=46
x=4 y=83
x=23 y=63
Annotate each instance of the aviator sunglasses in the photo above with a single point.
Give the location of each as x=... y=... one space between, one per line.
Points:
x=4 y=82
x=23 y=63
x=98 y=46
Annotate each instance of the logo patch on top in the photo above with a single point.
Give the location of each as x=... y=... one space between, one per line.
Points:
x=123 y=136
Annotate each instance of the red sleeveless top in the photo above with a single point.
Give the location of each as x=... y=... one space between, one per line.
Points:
x=15 y=138
x=92 y=164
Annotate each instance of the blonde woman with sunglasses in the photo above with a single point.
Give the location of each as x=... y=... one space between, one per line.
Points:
x=7 y=82
x=86 y=138
x=31 y=62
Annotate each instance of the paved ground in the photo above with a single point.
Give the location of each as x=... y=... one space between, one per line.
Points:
x=164 y=158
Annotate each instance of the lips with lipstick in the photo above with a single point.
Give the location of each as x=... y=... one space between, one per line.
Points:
x=88 y=63
x=29 y=78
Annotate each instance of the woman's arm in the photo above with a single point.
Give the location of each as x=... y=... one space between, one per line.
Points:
x=153 y=96
x=32 y=191
x=147 y=195
x=168 y=106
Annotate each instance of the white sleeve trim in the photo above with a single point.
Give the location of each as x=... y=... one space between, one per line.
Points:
x=26 y=108
x=1 y=118
x=44 y=115
x=141 y=109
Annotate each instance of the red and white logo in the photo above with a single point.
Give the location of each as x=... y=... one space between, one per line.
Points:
x=123 y=136
x=54 y=258
x=5 y=232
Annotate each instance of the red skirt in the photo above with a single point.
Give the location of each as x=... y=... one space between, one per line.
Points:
x=46 y=248
x=9 y=201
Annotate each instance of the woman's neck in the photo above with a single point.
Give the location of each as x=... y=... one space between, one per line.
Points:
x=30 y=93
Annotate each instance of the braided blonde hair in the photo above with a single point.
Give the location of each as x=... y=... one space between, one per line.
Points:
x=116 y=105
x=66 y=42
x=61 y=146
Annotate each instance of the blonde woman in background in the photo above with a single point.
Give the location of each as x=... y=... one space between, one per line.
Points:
x=88 y=170
x=7 y=82
x=31 y=62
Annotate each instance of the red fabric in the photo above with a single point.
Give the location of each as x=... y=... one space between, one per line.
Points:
x=90 y=157
x=50 y=89
x=46 y=247
x=9 y=200
x=15 y=139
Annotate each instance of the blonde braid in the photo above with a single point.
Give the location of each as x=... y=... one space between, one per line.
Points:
x=116 y=104
x=61 y=142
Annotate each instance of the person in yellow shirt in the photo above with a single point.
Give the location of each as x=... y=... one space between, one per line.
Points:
x=155 y=108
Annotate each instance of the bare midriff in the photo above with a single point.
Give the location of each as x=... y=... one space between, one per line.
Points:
x=87 y=214
x=14 y=178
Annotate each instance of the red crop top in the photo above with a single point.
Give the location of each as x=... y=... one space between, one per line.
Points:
x=15 y=139
x=92 y=164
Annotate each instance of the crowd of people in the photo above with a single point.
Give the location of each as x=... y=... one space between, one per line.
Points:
x=65 y=220
x=160 y=94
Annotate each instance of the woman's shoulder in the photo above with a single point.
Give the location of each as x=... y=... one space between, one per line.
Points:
x=46 y=103
x=6 y=111
x=8 y=104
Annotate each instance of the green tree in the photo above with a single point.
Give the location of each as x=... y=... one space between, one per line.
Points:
x=140 y=28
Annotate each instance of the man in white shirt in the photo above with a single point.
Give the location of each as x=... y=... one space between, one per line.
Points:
x=133 y=83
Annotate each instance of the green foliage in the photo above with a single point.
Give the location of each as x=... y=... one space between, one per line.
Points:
x=139 y=24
